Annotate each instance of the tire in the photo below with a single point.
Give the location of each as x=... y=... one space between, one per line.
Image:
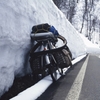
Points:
x=53 y=68
x=53 y=73
x=70 y=54
x=70 y=60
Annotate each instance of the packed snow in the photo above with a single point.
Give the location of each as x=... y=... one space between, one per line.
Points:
x=16 y=20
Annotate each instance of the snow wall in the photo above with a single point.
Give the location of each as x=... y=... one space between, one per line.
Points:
x=16 y=20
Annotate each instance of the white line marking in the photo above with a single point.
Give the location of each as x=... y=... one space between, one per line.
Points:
x=77 y=85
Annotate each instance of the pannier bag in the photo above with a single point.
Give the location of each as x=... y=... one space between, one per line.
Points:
x=36 y=64
x=63 y=58
x=44 y=28
x=44 y=31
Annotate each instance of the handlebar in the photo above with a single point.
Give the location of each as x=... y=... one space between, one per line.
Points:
x=54 y=49
x=62 y=38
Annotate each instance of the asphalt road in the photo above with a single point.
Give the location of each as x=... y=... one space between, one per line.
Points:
x=81 y=83
x=91 y=83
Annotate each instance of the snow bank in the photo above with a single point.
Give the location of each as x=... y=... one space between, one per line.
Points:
x=16 y=19
x=90 y=47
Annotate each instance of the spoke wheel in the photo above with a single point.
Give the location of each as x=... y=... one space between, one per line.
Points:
x=53 y=73
x=53 y=68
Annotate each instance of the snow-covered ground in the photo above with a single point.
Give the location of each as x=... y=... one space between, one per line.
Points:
x=16 y=20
